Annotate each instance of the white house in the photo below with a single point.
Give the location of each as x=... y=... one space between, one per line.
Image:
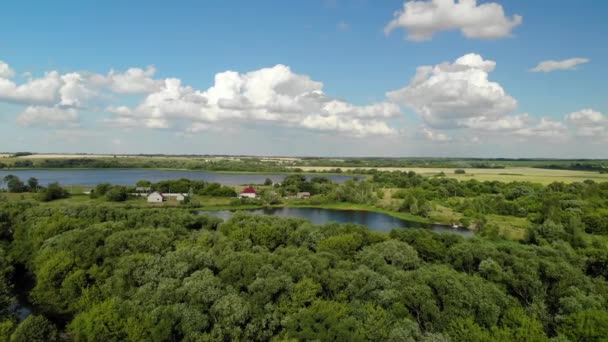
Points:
x=156 y=197
x=303 y=195
x=248 y=192
x=178 y=196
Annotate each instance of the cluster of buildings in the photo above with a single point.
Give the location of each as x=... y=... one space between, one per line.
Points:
x=159 y=197
x=250 y=192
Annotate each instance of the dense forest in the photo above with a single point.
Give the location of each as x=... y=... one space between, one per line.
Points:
x=124 y=274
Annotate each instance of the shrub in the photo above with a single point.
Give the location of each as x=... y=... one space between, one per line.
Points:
x=53 y=192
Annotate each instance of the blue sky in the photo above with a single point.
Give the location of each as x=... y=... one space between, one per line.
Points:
x=337 y=51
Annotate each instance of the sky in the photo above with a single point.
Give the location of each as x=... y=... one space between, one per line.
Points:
x=437 y=78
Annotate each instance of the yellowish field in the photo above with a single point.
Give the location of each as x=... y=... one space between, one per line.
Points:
x=4 y=155
x=509 y=174
x=66 y=156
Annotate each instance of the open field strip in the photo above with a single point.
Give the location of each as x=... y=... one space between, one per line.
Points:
x=508 y=174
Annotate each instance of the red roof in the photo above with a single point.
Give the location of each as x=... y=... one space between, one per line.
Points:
x=248 y=190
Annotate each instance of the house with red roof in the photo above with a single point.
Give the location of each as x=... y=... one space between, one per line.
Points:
x=248 y=192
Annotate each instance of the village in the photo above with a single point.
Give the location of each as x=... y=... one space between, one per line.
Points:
x=160 y=197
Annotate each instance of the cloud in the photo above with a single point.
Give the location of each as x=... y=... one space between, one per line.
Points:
x=133 y=81
x=545 y=128
x=507 y=123
x=422 y=19
x=42 y=90
x=6 y=71
x=53 y=93
x=567 y=64
x=450 y=94
x=48 y=116
x=275 y=95
x=589 y=123
x=435 y=136
x=75 y=90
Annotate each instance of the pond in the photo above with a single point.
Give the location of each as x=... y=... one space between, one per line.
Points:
x=131 y=176
x=375 y=221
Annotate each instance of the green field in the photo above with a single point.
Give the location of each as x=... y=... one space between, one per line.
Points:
x=508 y=174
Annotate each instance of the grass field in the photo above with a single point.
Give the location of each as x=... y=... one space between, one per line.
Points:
x=509 y=174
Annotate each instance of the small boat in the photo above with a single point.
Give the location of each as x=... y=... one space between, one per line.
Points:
x=455 y=226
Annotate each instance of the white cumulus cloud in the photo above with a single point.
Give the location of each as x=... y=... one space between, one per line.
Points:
x=567 y=64
x=275 y=94
x=42 y=90
x=435 y=136
x=6 y=71
x=422 y=19
x=48 y=116
x=133 y=81
x=545 y=128
x=448 y=94
x=589 y=123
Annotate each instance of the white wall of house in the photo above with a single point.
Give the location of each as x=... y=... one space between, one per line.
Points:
x=155 y=197
x=249 y=195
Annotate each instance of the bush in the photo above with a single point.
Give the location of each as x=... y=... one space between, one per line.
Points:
x=53 y=192
x=460 y=171
x=117 y=194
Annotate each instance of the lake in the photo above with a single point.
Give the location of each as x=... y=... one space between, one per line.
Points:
x=375 y=221
x=131 y=176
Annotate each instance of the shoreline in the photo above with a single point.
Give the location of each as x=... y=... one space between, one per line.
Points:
x=334 y=206
x=304 y=172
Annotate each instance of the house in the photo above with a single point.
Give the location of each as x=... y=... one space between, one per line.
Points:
x=303 y=195
x=143 y=189
x=177 y=196
x=156 y=197
x=248 y=192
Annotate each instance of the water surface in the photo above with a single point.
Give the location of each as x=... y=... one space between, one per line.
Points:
x=375 y=221
x=131 y=176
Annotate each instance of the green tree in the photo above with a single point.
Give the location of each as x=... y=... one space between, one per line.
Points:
x=35 y=328
x=143 y=184
x=14 y=184
x=117 y=194
x=32 y=184
x=53 y=192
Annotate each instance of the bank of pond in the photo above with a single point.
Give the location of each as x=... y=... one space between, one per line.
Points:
x=373 y=220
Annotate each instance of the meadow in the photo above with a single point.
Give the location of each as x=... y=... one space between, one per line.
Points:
x=508 y=174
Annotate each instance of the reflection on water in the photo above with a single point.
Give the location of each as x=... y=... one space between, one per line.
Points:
x=375 y=221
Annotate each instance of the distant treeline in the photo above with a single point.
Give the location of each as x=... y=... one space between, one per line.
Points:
x=266 y=165
x=250 y=165
x=576 y=167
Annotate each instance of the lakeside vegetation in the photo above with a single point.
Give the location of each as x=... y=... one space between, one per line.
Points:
x=108 y=265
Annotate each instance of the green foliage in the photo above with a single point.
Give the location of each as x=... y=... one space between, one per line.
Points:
x=14 y=184
x=156 y=274
x=52 y=192
x=35 y=328
x=117 y=194
x=32 y=184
